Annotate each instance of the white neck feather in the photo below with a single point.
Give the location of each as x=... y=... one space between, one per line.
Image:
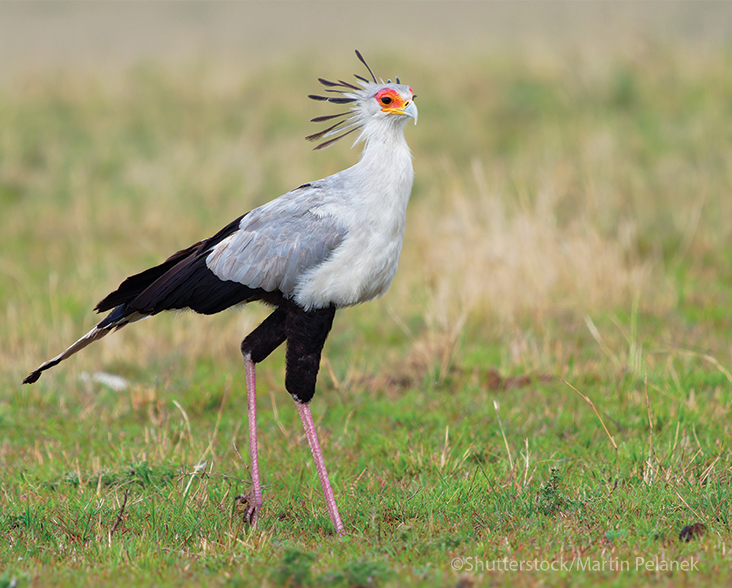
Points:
x=385 y=167
x=378 y=189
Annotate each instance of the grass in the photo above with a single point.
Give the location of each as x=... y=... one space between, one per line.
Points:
x=570 y=222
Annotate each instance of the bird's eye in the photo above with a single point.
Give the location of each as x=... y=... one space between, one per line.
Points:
x=386 y=100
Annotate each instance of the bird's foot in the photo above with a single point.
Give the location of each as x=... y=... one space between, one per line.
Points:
x=247 y=506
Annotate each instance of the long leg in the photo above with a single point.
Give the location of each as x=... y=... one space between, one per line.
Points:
x=258 y=345
x=255 y=502
x=312 y=437
x=306 y=334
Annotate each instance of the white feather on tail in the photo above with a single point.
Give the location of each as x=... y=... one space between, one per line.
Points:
x=94 y=335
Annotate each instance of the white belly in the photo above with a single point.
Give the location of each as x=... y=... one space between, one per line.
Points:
x=360 y=269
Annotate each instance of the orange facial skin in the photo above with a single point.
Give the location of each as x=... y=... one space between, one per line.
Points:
x=391 y=102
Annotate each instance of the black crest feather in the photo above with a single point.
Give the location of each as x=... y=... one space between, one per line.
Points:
x=332 y=99
x=331 y=141
x=346 y=126
x=321 y=134
x=362 y=60
x=328 y=117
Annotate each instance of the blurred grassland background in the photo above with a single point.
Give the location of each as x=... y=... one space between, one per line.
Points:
x=569 y=158
x=571 y=217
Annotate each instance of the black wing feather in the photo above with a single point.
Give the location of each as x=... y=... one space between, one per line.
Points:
x=181 y=281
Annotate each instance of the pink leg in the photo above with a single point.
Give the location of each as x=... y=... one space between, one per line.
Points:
x=312 y=436
x=256 y=504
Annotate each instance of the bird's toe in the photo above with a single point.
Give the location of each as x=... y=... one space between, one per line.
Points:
x=247 y=507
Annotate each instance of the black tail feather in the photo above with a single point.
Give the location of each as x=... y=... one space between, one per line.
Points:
x=135 y=285
x=181 y=281
x=153 y=290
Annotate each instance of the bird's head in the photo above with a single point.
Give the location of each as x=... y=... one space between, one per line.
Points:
x=372 y=102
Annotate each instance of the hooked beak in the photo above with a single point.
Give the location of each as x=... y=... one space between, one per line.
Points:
x=411 y=110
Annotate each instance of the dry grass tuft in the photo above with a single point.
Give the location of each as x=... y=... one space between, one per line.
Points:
x=482 y=255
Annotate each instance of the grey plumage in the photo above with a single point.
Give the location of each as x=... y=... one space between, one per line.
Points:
x=279 y=242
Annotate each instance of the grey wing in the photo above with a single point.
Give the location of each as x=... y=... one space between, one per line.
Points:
x=277 y=243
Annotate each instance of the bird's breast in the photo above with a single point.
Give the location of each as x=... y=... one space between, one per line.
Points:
x=363 y=266
x=360 y=269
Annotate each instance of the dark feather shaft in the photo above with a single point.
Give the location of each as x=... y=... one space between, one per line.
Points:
x=347 y=85
x=338 y=84
x=329 y=143
x=362 y=60
x=319 y=135
x=318 y=119
x=331 y=99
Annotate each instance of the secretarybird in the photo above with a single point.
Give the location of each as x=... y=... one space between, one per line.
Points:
x=325 y=245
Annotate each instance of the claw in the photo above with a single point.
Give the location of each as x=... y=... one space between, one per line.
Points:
x=246 y=505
